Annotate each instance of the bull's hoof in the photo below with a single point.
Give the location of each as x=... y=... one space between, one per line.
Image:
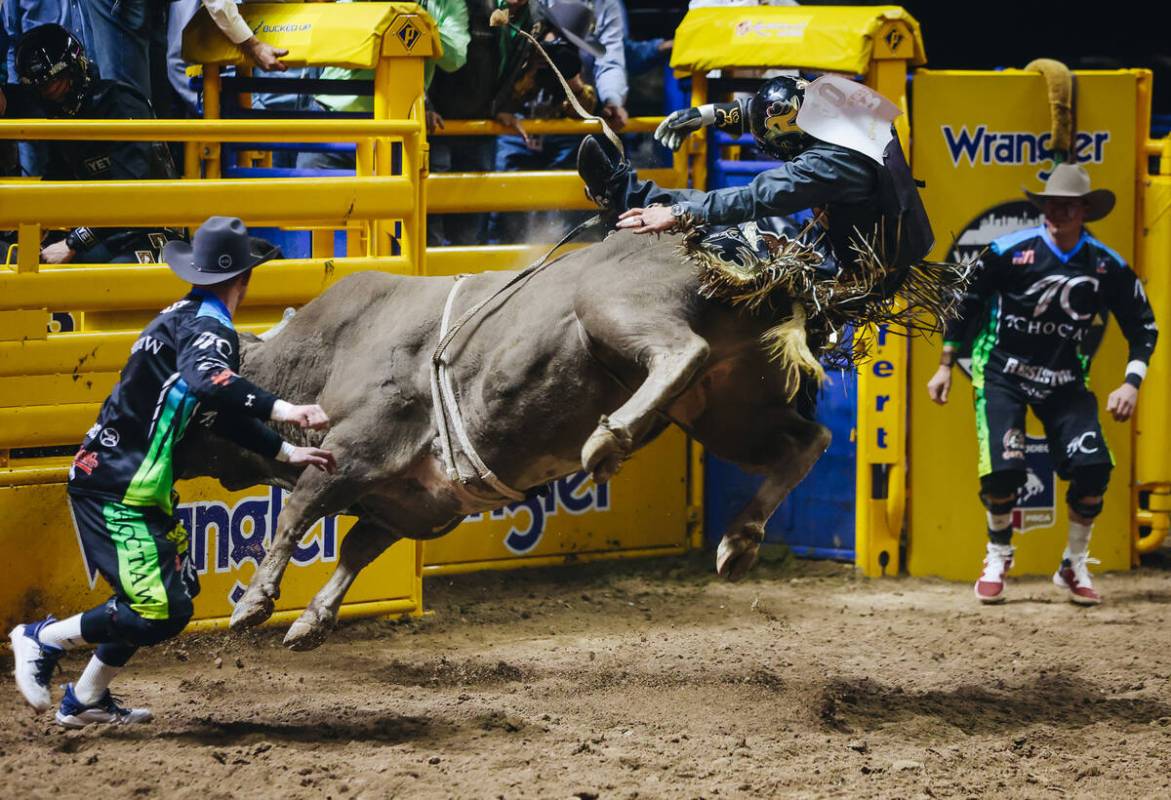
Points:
x=252 y=610
x=604 y=451
x=737 y=553
x=307 y=633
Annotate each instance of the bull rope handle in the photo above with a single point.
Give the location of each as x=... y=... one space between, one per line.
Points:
x=499 y=19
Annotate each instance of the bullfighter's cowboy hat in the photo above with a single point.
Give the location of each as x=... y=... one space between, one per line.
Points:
x=220 y=250
x=1071 y=180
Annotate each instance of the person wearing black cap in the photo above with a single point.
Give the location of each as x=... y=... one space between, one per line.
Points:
x=57 y=79
x=182 y=371
x=1034 y=310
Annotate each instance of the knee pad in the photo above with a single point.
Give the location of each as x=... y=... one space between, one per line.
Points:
x=1003 y=483
x=1088 y=482
x=132 y=628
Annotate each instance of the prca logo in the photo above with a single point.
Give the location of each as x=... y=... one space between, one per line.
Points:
x=1037 y=505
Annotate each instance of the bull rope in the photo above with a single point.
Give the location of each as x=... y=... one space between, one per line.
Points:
x=443 y=397
x=444 y=401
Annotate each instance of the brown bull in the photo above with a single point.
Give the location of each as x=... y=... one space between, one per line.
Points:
x=584 y=363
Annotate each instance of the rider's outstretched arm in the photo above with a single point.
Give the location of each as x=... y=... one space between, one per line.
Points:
x=727 y=117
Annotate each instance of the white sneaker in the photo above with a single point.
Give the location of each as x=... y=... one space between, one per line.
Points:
x=33 y=663
x=990 y=585
x=1074 y=577
x=106 y=711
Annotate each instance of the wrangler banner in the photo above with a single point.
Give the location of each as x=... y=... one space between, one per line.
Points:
x=643 y=511
x=229 y=535
x=980 y=139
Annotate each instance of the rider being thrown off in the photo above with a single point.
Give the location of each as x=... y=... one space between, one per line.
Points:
x=834 y=159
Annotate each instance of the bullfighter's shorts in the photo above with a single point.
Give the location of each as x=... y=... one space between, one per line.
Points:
x=142 y=552
x=1069 y=416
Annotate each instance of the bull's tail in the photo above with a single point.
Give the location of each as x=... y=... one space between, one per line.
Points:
x=787 y=343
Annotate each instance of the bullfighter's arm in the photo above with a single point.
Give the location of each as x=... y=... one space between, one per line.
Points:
x=248 y=432
x=1127 y=300
x=209 y=356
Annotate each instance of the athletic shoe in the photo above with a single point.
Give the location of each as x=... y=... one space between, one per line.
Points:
x=106 y=711
x=990 y=586
x=34 y=663
x=1074 y=577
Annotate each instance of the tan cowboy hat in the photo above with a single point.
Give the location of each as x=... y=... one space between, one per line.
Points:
x=1071 y=180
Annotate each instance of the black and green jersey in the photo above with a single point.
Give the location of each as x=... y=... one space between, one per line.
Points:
x=1033 y=310
x=184 y=361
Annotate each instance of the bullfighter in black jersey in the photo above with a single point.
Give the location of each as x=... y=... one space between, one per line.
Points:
x=182 y=371
x=1030 y=311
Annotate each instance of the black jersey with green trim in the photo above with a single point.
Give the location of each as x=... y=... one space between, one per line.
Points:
x=1036 y=306
x=185 y=359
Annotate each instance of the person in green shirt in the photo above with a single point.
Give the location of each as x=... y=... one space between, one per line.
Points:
x=451 y=17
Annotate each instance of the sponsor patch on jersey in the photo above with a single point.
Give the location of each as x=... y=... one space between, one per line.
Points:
x=86 y=461
x=1024 y=257
x=109 y=437
x=1014 y=444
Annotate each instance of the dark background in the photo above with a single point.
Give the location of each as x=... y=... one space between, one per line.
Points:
x=986 y=35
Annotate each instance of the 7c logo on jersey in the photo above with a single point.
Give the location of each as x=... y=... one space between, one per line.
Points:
x=1060 y=287
x=208 y=339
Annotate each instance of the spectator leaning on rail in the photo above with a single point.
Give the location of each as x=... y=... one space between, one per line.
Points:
x=528 y=89
x=466 y=93
x=227 y=18
x=182 y=369
x=57 y=80
x=597 y=29
x=1033 y=308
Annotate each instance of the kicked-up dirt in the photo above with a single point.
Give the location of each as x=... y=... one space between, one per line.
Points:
x=649 y=679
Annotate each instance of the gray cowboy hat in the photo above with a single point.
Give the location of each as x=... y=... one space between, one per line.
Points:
x=1071 y=180
x=220 y=250
x=574 y=20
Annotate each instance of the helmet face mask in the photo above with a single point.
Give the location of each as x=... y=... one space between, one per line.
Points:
x=47 y=55
x=772 y=118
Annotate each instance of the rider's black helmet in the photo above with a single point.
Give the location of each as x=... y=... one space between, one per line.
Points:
x=772 y=117
x=49 y=52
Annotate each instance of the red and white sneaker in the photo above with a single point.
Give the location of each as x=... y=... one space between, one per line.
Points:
x=1073 y=576
x=990 y=585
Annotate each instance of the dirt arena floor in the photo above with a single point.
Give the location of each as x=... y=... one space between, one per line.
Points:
x=649 y=679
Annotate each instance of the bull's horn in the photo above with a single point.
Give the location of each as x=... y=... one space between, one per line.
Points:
x=280 y=326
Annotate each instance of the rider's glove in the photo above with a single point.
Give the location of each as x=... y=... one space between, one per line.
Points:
x=676 y=127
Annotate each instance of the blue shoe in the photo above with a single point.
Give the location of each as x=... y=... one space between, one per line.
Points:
x=34 y=663
x=75 y=714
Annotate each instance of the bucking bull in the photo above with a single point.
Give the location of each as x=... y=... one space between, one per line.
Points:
x=577 y=366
